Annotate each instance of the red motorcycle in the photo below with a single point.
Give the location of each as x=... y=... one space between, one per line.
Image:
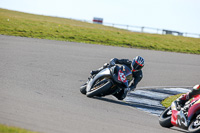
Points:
x=187 y=117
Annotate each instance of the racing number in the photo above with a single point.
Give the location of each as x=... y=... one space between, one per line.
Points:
x=121 y=76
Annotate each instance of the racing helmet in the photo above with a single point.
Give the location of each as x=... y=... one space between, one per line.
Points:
x=138 y=63
x=196 y=87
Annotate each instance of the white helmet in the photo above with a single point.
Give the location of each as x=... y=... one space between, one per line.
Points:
x=196 y=87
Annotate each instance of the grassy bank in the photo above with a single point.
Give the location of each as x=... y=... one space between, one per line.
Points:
x=167 y=102
x=38 y=26
x=7 y=129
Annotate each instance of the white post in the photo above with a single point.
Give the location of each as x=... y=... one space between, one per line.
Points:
x=142 y=29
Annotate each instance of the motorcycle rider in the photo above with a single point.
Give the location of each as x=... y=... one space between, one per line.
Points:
x=185 y=97
x=136 y=65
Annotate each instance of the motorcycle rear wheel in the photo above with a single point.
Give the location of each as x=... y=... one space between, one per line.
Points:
x=192 y=127
x=100 y=88
x=165 y=118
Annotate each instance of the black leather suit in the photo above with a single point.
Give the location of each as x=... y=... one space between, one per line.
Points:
x=137 y=75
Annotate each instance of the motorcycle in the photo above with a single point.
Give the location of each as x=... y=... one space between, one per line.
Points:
x=186 y=117
x=110 y=80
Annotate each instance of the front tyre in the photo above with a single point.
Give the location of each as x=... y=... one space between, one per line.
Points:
x=100 y=88
x=194 y=126
x=83 y=89
x=165 y=118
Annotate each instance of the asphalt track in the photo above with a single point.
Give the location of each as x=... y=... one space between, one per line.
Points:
x=40 y=80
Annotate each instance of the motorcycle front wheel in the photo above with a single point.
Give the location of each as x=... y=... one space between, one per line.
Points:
x=194 y=126
x=83 y=89
x=165 y=118
x=100 y=88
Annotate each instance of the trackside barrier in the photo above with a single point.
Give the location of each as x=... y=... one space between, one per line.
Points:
x=143 y=29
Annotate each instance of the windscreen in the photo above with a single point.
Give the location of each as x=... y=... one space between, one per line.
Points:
x=128 y=73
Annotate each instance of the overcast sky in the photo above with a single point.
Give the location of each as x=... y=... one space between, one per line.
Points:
x=178 y=15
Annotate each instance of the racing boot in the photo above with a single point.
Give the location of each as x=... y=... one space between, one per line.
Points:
x=122 y=94
x=94 y=72
x=126 y=91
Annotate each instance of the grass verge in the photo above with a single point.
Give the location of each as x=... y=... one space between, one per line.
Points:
x=167 y=102
x=8 y=129
x=45 y=27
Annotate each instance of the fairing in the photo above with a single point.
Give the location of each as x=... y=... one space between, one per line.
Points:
x=120 y=74
x=194 y=109
x=178 y=118
x=105 y=72
x=174 y=114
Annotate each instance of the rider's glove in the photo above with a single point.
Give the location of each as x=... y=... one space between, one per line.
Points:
x=105 y=65
x=182 y=99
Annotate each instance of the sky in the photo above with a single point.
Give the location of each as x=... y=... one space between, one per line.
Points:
x=177 y=15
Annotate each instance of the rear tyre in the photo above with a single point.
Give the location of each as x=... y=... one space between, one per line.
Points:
x=165 y=118
x=100 y=88
x=194 y=126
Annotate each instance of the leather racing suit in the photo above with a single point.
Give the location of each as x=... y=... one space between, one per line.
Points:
x=185 y=97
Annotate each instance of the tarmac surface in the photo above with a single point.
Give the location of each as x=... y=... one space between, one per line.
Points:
x=40 y=80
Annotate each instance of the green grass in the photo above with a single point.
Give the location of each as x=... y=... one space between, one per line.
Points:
x=45 y=27
x=8 y=129
x=167 y=102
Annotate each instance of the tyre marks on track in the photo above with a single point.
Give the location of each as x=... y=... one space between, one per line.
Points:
x=149 y=99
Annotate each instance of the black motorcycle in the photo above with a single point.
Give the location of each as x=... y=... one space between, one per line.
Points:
x=109 y=81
